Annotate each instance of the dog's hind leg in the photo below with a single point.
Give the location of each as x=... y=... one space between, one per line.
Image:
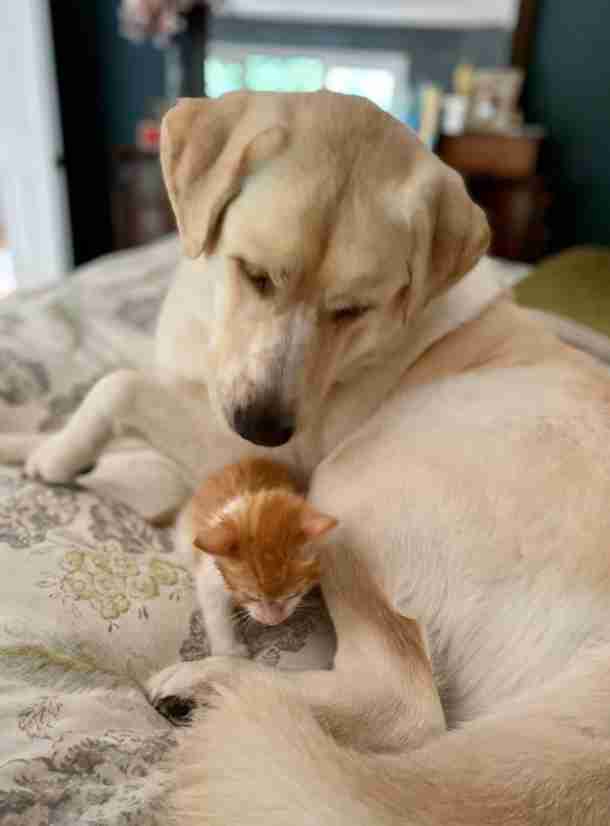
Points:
x=540 y=760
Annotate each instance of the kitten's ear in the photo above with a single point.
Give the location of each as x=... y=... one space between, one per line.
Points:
x=217 y=540
x=315 y=524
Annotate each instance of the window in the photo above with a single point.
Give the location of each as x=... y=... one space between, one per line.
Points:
x=380 y=76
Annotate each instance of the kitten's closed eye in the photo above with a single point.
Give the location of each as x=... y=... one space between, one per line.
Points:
x=273 y=611
x=279 y=601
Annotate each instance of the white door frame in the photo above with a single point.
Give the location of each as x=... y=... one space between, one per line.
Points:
x=32 y=180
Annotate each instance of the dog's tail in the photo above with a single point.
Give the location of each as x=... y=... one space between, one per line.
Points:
x=260 y=757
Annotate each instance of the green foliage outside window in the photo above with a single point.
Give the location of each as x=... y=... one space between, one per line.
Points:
x=272 y=73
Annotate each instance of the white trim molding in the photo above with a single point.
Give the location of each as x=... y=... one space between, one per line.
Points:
x=32 y=182
x=451 y=14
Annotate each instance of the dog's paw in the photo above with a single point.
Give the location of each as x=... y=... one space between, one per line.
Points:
x=178 y=679
x=180 y=687
x=178 y=710
x=55 y=460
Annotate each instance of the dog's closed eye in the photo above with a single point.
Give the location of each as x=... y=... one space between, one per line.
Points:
x=343 y=314
x=259 y=279
x=261 y=283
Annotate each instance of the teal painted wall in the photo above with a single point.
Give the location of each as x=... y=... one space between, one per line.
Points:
x=131 y=75
x=568 y=91
x=107 y=84
x=434 y=53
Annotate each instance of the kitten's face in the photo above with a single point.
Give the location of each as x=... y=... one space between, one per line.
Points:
x=264 y=549
x=271 y=588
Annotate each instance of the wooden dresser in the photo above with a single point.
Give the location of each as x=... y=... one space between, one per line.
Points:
x=500 y=172
x=141 y=210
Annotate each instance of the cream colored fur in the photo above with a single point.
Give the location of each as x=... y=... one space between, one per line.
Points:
x=464 y=450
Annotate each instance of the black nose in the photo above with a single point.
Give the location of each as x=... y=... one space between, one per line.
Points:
x=263 y=425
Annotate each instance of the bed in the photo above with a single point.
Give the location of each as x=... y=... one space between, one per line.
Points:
x=93 y=599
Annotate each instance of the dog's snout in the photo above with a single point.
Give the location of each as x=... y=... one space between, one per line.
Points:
x=263 y=425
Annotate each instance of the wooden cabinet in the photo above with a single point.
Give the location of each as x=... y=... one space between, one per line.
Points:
x=500 y=175
x=141 y=210
x=500 y=172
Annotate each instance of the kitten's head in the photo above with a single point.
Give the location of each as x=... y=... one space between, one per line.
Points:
x=264 y=547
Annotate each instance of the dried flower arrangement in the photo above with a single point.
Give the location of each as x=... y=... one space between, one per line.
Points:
x=156 y=20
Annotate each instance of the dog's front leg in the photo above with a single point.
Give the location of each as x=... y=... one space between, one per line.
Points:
x=383 y=680
x=111 y=406
x=380 y=695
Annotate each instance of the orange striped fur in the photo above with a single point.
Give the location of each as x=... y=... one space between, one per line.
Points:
x=260 y=530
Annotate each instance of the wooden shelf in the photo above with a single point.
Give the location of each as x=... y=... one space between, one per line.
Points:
x=141 y=211
x=500 y=172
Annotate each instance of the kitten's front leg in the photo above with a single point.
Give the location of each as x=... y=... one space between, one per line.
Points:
x=217 y=608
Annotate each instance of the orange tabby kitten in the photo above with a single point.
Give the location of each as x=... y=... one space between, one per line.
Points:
x=253 y=538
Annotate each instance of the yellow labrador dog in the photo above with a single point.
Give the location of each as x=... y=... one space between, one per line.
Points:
x=330 y=312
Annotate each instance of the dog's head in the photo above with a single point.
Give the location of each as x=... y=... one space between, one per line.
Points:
x=322 y=225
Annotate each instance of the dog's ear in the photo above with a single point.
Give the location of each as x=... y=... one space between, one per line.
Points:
x=448 y=232
x=208 y=147
x=460 y=233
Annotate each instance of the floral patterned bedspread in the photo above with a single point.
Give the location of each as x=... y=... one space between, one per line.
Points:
x=93 y=600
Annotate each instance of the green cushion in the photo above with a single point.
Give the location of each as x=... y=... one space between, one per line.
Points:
x=575 y=284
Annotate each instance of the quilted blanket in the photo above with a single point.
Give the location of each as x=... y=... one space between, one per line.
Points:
x=93 y=600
